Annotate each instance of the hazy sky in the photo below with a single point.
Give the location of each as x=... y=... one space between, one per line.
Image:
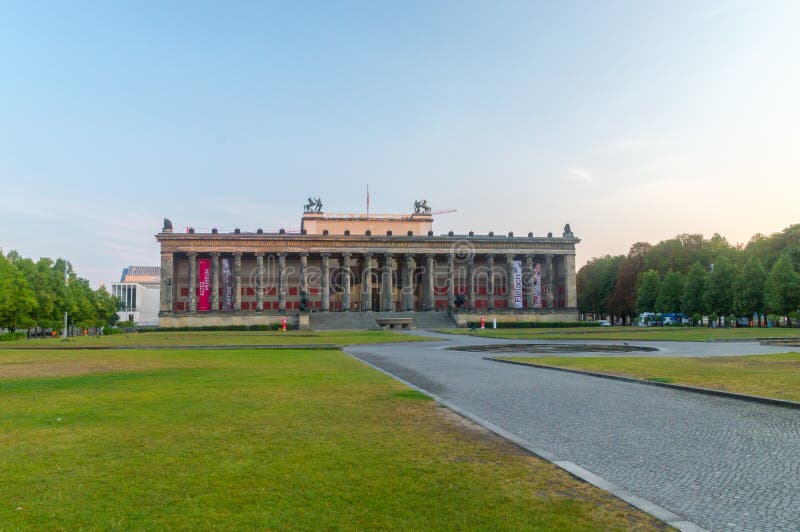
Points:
x=630 y=120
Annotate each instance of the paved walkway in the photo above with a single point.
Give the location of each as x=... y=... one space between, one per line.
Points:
x=717 y=462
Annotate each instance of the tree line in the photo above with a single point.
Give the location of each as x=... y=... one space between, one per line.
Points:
x=34 y=295
x=696 y=276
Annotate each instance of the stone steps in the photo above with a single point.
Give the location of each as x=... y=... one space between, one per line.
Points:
x=321 y=321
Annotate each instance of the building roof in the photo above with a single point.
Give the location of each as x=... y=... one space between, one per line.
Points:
x=141 y=274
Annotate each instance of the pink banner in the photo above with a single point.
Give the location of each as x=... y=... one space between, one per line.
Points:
x=203 y=284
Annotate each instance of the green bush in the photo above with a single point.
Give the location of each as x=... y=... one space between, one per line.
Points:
x=542 y=325
x=11 y=336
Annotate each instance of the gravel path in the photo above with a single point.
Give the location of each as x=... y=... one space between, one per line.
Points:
x=717 y=462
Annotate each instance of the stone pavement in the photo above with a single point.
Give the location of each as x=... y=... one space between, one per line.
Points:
x=716 y=462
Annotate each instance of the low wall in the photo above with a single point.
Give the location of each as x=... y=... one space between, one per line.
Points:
x=538 y=316
x=293 y=321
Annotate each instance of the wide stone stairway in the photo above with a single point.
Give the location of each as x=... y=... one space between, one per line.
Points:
x=321 y=321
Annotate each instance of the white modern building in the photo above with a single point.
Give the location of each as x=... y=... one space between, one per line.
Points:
x=139 y=290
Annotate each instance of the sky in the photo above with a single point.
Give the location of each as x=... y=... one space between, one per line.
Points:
x=631 y=121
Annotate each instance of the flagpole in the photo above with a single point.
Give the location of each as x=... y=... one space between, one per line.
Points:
x=367 y=201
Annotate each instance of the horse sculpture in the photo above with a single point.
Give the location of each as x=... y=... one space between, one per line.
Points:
x=313 y=205
x=421 y=207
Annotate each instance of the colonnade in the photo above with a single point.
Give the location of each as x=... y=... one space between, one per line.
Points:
x=376 y=270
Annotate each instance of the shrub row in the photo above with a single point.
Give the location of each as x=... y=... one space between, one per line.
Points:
x=541 y=325
x=269 y=327
x=11 y=336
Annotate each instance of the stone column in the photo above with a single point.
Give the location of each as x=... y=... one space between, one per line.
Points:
x=471 y=282
x=571 y=281
x=408 y=283
x=237 y=281
x=451 y=282
x=366 y=283
x=387 y=295
x=345 y=272
x=529 y=277
x=510 y=281
x=430 y=281
x=282 y=282
x=215 y=282
x=550 y=282
x=192 y=281
x=259 y=282
x=167 y=276
x=304 y=275
x=490 y=281
x=326 y=283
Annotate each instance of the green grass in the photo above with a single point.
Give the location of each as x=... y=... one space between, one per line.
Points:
x=212 y=338
x=261 y=439
x=776 y=376
x=680 y=334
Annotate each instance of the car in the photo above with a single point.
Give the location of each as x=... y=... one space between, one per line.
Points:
x=604 y=323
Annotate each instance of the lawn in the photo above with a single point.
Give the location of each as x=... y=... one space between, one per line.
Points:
x=217 y=338
x=776 y=376
x=261 y=439
x=680 y=334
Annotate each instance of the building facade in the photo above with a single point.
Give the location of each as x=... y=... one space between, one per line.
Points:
x=139 y=292
x=363 y=263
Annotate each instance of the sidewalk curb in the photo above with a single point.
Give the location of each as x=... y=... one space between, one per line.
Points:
x=705 y=391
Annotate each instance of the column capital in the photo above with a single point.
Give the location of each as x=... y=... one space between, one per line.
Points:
x=325 y=255
x=409 y=256
x=282 y=254
x=510 y=256
x=192 y=254
x=303 y=254
x=237 y=254
x=430 y=255
x=214 y=254
x=259 y=254
x=346 y=254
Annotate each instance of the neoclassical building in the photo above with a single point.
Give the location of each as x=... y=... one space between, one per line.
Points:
x=355 y=263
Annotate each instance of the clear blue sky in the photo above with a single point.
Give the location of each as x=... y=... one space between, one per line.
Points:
x=630 y=120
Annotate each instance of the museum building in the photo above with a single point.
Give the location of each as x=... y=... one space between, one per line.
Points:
x=357 y=263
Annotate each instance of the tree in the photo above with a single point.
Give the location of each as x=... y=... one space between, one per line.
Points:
x=647 y=293
x=17 y=301
x=669 y=297
x=107 y=308
x=748 y=288
x=622 y=301
x=782 y=287
x=719 y=290
x=596 y=281
x=692 y=301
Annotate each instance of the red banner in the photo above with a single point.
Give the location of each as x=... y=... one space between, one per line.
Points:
x=203 y=284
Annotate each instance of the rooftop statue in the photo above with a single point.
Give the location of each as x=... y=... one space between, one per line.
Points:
x=167 y=224
x=421 y=207
x=313 y=205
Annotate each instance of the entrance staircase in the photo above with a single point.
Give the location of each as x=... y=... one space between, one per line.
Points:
x=326 y=321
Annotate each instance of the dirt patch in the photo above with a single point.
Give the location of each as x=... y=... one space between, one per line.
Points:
x=69 y=368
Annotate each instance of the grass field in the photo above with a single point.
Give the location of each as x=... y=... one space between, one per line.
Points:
x=261 y=439
x=213 y=338
x=776 y=376
x=680 y=334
